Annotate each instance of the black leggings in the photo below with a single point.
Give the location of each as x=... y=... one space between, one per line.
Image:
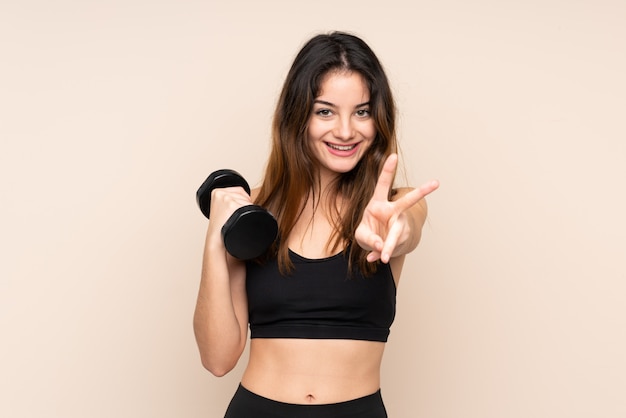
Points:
x=246 y=404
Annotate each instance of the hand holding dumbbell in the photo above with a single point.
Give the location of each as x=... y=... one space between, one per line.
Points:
x=250 y=230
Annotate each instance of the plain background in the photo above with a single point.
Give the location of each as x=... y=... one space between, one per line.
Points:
x=113 y=112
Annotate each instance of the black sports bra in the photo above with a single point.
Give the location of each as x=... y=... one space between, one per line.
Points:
x=320 y=300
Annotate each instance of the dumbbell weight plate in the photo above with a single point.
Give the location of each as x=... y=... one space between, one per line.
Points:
x=249 y=232
x=218 y=179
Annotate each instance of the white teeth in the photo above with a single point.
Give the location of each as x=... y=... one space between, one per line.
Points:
x=341 y=147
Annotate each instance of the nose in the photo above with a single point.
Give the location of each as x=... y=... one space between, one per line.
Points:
x=344 y=129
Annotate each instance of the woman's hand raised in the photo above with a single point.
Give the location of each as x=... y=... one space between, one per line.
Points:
x=392 y=227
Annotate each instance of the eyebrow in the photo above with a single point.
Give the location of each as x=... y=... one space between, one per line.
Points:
x=333 y=105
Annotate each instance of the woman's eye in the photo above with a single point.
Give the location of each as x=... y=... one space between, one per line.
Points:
x=363 y=113
x=324 y=112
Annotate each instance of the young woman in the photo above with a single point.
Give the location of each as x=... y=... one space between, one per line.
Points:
x=320 y=304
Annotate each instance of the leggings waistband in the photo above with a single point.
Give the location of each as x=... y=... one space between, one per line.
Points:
x=246 y=404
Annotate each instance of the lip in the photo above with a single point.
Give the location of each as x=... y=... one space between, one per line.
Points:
x=341 y=153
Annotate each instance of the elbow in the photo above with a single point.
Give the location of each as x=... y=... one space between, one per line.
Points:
x=218 y=371
x=217 y=368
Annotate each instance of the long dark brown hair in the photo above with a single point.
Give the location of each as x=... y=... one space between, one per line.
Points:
x=292 y=170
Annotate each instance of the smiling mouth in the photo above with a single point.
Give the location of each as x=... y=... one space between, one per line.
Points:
x=342 y=147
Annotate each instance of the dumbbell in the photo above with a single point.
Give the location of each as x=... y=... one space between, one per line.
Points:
x=251 y=229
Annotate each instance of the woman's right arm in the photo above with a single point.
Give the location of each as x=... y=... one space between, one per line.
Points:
x=221 y=315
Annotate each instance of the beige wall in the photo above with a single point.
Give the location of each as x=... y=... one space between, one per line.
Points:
x=112 y=113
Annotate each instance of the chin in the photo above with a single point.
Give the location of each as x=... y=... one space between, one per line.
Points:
x=342 y=169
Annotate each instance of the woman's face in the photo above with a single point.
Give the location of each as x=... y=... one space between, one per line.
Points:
x=341 y=128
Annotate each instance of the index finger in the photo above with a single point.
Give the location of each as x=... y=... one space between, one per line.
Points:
x=385 y=179
x=415 y=195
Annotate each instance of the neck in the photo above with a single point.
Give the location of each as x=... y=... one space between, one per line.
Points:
x=326 y=180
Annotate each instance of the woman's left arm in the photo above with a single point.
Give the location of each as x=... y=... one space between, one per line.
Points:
x=392 y=228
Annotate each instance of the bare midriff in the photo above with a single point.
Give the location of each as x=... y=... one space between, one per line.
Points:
x=304 y=371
